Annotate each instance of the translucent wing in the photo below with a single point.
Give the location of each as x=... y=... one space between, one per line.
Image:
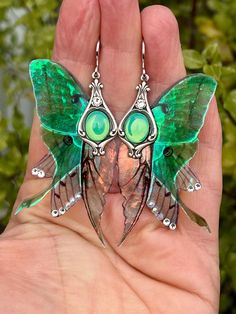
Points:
x=163 y=205
x=66 y=152
x=134 y=177
x=96 y=182
x=60 y=100
x=45 y=167
x=61 y=103
x=179 y=114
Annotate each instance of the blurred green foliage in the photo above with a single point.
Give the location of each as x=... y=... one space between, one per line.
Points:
x=208 y=36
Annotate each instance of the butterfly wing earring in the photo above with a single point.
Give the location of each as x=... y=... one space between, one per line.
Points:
x=75 y=129
x=169 y=131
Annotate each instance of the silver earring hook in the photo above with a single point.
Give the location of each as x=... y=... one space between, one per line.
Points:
x=144 y=76
x=96 y=73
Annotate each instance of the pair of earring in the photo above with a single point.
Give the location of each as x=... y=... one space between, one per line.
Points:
x=97 y=126
x=161 y=139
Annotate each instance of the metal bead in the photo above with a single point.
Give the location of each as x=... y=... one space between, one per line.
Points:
x=54 y=213
x=198 y=186
x=166 y=221
x=41 y=174
x=62 y=211
x=77 y=196
x=190 y=188
x=151 y=204
x=34 y=171
x=172 y=226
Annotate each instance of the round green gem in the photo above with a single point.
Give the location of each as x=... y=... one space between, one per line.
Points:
x=97 y=126
x=136 y=127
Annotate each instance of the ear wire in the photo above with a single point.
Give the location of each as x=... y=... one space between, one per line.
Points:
x=144 y=76
x=96 y=73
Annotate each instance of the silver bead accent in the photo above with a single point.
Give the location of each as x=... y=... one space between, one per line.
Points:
x=166 y=221
x=34 y=171
x=97 y=101
x=77 y=196
x=198 y=186
x=72 y=199
x=67 y=206
x=41 y=174
x=172 y=226
x=190 y=188
x=151 y=204
x=54 y=213
x=140 y=103
x=62 y=211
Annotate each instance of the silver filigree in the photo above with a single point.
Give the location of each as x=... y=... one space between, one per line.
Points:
x=140 y=105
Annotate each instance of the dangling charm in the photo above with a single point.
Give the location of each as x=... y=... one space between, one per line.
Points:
x=73 y=161
x=172 y=126
x=138 y=129
x=97 y=126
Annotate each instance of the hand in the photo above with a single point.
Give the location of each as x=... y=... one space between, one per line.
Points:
x=58 y=265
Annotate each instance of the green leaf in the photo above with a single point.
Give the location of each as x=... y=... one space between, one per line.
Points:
x=212 y=53
x=213 y=70
x=230 y=103
x=193 y=59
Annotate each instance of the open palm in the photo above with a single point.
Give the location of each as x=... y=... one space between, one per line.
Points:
x=58 y=265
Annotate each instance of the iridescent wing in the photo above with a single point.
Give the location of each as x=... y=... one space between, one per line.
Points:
x=134 y=178
x=97 y=175
x=60 y=103
x=60 y=99
x=179 y=114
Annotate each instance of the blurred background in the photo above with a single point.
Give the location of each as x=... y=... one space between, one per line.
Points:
x=208 y=35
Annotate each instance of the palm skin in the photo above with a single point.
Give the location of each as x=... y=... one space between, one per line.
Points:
x=58 y=265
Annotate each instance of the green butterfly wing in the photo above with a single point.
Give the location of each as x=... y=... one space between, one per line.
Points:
x=180 y=112
x=179 y=115
x=60 y=104
x=65 y=154
x=60 y=100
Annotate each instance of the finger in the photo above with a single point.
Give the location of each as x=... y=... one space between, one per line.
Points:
x=120 y=62
x=207 y=165
x=77 y=33
x=163 y=56
x=164 y=64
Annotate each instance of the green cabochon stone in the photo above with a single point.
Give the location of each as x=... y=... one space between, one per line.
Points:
x=97 y=126
x=136 y=127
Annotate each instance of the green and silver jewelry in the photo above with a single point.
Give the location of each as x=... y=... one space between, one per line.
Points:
x=97 y=126
x=75 y=130
x=175 y=120
x=138 y=128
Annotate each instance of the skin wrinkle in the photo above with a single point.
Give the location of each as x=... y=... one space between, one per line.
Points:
x=59 y=267
x=163 y=283
x=116 y=269
x=152 y=278
x=105 y=252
